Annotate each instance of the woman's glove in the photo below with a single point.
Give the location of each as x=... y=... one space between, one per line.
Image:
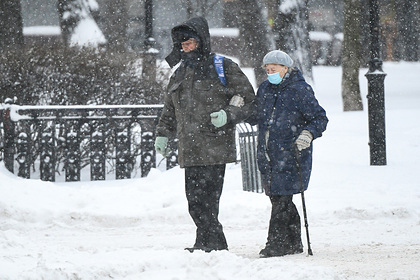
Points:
x=218 y=119
x=304 y=140
x=160 y=145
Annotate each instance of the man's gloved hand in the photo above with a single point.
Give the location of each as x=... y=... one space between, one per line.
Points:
x=218 y=119
x=304 y=140
x=160 y=145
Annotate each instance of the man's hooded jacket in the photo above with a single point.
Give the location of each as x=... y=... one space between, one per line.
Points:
x=194 y=92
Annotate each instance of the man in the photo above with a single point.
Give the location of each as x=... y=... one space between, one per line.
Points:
x=202 y=113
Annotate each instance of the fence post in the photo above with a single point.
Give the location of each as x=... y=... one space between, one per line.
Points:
x=47 y=151
x=23 y=150
x=97 y=151
x=122 y=151
x=147 y=144
x=73 y=151
x=172 y=158
x=9 y=140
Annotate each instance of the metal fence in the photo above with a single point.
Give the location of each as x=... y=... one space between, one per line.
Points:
x=43 y=141
x=48 y=140
x=251 y=177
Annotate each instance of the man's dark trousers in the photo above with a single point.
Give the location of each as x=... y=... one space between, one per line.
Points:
x=203 y=187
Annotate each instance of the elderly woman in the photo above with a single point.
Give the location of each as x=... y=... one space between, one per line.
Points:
x=289 y=118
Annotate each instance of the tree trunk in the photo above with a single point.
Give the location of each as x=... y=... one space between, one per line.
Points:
x=254 y=44
x=407 y=19
x=195 y=8
x=230 y=19
x=291 y=25
x=68 y=23
x=189 y=9
x=364 y=33
x=11 y=26
x=116 y=22
x=350 y=88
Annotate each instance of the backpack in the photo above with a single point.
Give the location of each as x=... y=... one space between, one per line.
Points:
x=236 y=100
x=220 y=69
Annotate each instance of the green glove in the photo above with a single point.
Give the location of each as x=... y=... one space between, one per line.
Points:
x=218 y=119
x=160 y=145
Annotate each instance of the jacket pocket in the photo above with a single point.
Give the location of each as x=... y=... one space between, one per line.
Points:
x=216 y=132
x=210 y=93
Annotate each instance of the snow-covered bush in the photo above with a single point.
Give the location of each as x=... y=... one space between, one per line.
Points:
x=74 y=76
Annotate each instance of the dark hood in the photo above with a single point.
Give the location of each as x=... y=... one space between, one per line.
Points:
x=196 y=25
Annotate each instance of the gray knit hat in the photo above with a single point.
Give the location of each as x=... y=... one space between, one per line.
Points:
x=278 y=57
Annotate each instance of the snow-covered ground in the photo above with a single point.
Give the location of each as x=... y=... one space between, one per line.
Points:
x=364 y=221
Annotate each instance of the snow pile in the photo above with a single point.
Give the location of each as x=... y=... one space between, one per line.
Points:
x=364 y=220
x=224 y=32
x=87 y=34
x=42 y=30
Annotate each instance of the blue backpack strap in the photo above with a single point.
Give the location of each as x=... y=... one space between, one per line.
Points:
x=218 y=64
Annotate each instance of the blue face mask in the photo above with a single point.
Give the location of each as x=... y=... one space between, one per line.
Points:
x=274 y=78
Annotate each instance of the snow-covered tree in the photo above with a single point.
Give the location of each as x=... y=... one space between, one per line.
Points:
x=291 y=26
x=350 y=87
x=253 y=36
x=11 y=34
x=77 y=24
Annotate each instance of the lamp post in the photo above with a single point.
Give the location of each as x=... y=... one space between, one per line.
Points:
x=148 y=10
x=376 y=95
x=149 y=57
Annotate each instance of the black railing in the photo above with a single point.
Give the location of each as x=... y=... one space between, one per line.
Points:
x=52 y=139
x=251 y=177
x=49 y=140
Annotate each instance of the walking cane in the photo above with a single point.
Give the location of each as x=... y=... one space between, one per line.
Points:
x=303 y=200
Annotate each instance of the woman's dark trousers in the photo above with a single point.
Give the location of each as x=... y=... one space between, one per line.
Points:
x=203 y=187
x=284 y=232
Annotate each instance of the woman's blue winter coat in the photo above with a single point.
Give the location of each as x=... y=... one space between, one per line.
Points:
x=285 y=110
